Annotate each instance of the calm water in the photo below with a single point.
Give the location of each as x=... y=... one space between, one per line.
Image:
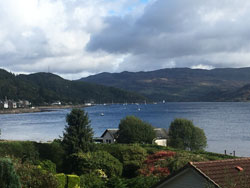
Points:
x=226 y=125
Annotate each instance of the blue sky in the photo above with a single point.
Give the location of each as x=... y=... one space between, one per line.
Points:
x=76 y=38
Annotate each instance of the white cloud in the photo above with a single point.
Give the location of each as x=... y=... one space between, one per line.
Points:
x=77 y=38
x=201 y=66
x=190 y=33
x=39 y=34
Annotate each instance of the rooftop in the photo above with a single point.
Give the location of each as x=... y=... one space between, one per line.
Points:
x=224 y=173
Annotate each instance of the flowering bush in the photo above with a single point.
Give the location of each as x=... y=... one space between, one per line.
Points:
x=160 y=155
x=156 y=164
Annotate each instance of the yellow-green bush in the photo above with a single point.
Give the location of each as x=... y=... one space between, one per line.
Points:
x=61 y=179
x=84 y=163
x=73 y=181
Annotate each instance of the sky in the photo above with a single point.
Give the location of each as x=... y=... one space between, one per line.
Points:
x=77 y=38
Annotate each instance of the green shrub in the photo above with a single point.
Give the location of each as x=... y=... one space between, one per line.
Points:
x=73 y=181
x=152 y=148
x=181 y=159
x=24 y=150
x=33 y=176
x=61 y=179
x=48 y=166
x=131 y=156
x=86 y=162
x=141 y=181
x=92 y=180
x=53 y=152
x=8 y=176
x=116 y=182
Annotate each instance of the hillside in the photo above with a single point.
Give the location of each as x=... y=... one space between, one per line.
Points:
x=242 y=94
x=180 y=84
x=43 y=88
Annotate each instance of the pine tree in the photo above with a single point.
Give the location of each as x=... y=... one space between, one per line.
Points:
x=78 y=133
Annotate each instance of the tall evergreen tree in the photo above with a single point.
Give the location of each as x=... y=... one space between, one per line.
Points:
x=78 y=133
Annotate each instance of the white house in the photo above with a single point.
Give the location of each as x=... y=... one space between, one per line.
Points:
x=231 y=173
x=110 y=136
x=5 y=104
x=161 y=137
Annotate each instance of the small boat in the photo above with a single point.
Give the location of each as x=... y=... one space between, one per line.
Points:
x=139 y=109
x=102 y=114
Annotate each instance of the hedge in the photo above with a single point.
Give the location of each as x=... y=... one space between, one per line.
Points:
x=73 y=181
x=61 y=179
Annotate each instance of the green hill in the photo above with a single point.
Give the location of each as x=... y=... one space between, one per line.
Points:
x=180 y=84
x=43 y=88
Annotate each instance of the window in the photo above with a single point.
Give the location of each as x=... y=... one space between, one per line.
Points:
x=108 y=141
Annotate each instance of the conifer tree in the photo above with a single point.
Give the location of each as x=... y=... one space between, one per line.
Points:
x=78 y=133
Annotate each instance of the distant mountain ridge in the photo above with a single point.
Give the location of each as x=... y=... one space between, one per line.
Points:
x=182 y=84
x=45 y=88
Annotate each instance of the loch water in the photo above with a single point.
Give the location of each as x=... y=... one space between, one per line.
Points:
x=226 y=125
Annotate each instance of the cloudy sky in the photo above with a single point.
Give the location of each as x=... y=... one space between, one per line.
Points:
x=76 y=38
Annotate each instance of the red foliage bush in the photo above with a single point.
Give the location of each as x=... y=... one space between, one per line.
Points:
x=155 y=164
x=161 y=155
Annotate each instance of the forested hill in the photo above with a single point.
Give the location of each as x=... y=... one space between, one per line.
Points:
x=182 y=84
x=42 y=88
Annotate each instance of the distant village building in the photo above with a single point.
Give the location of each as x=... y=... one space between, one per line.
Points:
x=11 y=104
x=5 y=105
x=14 y=104
x=87 y=104
x=23 y=104
x=215 y=174
x=57 y=103
x=110 y=136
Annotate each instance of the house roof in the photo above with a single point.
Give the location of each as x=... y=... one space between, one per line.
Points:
x=161 y=133
x=225 y=172
x=112 y=132
x=221 y=173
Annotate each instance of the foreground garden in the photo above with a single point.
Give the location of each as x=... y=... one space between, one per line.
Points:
x=75 y=161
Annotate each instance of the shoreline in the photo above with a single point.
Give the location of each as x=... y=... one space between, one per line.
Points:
x=39 y=109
